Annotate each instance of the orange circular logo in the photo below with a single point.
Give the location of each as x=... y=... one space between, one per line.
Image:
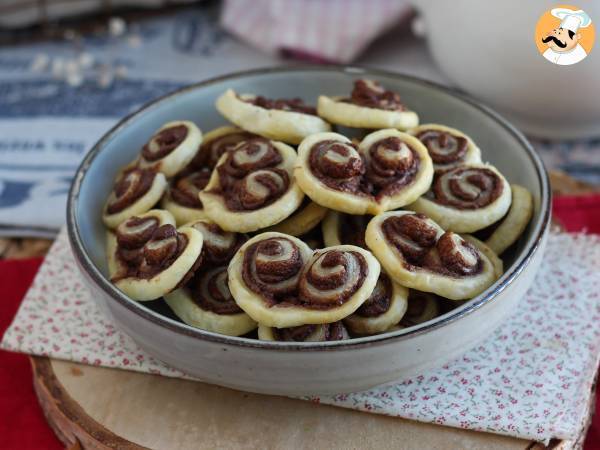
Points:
x=565 y=35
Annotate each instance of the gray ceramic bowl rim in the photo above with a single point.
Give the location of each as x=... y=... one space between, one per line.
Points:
x=138 y=308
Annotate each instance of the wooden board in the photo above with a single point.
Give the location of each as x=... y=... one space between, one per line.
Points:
x=98 y=408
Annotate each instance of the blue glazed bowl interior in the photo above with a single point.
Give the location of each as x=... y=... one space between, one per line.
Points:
x=501 y=144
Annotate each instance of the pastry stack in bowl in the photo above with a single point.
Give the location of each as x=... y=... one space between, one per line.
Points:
x=286 y=223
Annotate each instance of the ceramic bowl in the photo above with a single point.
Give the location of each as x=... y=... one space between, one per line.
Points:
x=489 y=50
x=306 y=368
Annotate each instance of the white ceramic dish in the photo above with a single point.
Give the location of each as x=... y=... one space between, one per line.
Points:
x=306 y=368
x=488 y=49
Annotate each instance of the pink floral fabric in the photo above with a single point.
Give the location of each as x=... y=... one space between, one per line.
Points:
x=531 y=378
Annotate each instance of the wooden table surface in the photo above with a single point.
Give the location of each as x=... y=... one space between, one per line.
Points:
x=99 y=408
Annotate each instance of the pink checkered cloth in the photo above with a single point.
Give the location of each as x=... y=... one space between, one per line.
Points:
x=318 y=30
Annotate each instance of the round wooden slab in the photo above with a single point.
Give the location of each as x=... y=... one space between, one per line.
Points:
x=98 y=408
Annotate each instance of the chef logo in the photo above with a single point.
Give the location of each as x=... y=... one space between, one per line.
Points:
x=565 y=35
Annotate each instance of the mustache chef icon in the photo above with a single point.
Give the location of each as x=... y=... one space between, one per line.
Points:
x=563 y=42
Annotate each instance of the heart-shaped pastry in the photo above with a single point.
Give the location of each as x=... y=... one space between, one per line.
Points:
x=370 y=105
x=205 y=302
x=305 y=333
x=252 y=186
x=287 y=120
x=280 y=282
x=135 y=192
x=215 y=143
x=219 y=245
x=466 y=198
x=507 y=231
x=448 y=147
x=172 y=148
x=181 y=198
x=389 y=169
x=383 y=309
x=150 y=257
x=416 y=252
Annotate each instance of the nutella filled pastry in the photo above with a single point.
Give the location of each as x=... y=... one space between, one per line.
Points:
x=497 y=263
x=150 y=259
x=416 y=252
x=304 y=333
x=181 y=198
x=370 y=105
x=252 y=186
x=422 y=307
x=448 y=147
x=287 y=120
x=135 y=191
x=306 y=217
x=172 y=148
x=384 y=308
x=514 y=223
x=130 y=236
x=206 y=303
x=388 y=170
x=215 y=143
x=280 y=282
x=339 y=228
x=219 y=245
x=466 y=199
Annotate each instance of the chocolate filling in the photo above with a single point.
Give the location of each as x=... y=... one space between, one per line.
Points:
x=331 y=279
x=135 y=232
x=210 y=291
x=338 y=165
x=129 y=188
x=466 y=187
x=371 y=94
x=164 y=142
x=209 y=152
x=330 y=332
x=219 y=245
x=155 y=255
x=443 y=147
x=420 y=247
x=351 y=229
x=186 y=188
x=417 y=302
x=391 y=164
x=379 y=301
x=293 y=104
x=248 y=178
x=271 y=268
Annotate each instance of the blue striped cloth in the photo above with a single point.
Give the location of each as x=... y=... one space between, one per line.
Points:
x=46 y=125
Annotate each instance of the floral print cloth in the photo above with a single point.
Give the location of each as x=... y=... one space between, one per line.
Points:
x=531 y=378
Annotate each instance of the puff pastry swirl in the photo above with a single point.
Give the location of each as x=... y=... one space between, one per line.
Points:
x=252 y=186
x=370 y=105
x=384 y=308
x=206 y=303
x=135 y=192
x=466 y=198
x=172 y=148
x=448 y=147
x=388 y=170
x=151 y=256
x=280 y=282
x=305 y=333
x=282 y=120
x=416 y=252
